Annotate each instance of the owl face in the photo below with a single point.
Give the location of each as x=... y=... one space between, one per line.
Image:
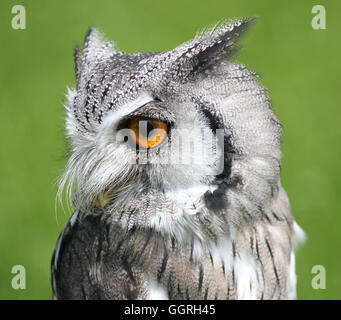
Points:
x=171 y=140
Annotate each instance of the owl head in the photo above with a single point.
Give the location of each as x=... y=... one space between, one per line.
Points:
x=171 y=140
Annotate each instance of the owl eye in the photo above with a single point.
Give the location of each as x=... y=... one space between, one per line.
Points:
x=147 y=132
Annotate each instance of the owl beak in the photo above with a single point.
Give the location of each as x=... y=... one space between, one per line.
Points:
x=102 y=200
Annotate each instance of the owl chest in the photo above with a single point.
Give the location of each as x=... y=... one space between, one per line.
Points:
x=190 y=272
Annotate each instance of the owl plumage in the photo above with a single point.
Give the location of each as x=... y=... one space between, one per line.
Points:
x=215 y=225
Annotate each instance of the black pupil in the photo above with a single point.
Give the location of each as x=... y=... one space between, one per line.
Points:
x=150 y=127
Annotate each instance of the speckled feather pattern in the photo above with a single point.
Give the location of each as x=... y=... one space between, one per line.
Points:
x=197 y=235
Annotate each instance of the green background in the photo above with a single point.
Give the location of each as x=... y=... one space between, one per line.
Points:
x=299 y=65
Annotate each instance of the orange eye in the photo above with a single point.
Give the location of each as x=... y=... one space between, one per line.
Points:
x=147 y=132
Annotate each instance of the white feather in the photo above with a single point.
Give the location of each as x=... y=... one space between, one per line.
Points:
x=156 y=291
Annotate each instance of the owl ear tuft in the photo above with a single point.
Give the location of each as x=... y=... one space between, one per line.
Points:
x=212 y=46
x=77 y=60
x=94 y=50
x=221 y=40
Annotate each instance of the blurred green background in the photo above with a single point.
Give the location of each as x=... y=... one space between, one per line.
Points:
x=300 y=66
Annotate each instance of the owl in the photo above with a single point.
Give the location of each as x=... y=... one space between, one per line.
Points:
x=174 y=175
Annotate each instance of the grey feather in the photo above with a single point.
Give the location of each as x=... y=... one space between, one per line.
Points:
x=140 y=220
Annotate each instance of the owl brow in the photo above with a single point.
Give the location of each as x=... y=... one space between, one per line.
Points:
x=155 y=110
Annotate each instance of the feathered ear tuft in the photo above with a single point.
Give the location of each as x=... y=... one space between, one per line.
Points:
x=221 y=41
x=210 y=47
x=94 y=51
x=77 y=60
